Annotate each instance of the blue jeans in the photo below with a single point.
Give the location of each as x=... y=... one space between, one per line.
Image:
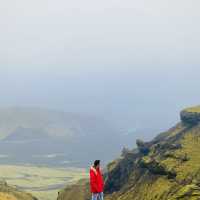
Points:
x=97 y=196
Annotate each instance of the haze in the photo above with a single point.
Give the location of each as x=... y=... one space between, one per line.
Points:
x=134 y=62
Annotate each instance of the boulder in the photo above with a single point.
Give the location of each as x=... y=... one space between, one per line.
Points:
x=142 y=147
x=155 y=167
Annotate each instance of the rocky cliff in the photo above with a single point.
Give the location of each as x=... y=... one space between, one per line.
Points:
x=167 y=168
x=191 y=115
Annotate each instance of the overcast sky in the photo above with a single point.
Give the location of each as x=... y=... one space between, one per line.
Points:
x=133 y=61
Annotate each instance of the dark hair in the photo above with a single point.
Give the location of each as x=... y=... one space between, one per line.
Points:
x=96 y=162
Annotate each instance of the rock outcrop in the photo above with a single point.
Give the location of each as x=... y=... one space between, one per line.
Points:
x=142 y=146
x=191 y=115
x=168 y=169
x=156 y=167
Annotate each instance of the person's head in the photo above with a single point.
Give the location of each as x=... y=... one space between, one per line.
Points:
x=97 y=164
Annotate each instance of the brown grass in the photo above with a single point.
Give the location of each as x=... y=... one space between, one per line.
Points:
x=4 y=196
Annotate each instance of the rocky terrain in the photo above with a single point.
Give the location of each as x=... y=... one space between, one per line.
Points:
x=11 y=193
x=166 y=168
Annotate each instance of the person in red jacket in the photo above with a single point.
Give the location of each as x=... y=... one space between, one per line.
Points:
x=96 y=181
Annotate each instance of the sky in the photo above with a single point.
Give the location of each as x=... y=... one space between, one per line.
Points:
x=134 y=62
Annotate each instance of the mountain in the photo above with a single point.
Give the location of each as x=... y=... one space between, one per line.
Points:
x=54 y=123
x=12 y=193
x=30 y=135
x=26 y=134
x=166 y=168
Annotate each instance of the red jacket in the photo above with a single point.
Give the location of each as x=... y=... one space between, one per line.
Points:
x=96 y=180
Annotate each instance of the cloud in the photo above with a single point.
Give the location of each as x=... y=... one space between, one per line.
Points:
x=80 y=33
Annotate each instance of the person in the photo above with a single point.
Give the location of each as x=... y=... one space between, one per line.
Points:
x=96 y=181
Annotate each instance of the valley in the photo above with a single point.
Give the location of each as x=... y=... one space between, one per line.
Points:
x=53 y=138
x=42 y=182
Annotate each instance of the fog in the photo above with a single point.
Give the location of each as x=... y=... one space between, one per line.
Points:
x=133 y=62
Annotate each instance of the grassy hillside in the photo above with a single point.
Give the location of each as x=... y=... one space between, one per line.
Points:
x=11 y=193
x=167 y=168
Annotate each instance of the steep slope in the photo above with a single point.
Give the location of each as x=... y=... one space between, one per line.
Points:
x=167 y=168
x=10 y=193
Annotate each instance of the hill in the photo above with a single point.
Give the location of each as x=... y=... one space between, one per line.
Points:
x=69 y=137
x=26 y=134
x=11 y=193
x=166 y=168
x=54 y=123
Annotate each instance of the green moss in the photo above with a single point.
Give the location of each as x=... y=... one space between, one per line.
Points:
x=190 y=191
x=191 y=146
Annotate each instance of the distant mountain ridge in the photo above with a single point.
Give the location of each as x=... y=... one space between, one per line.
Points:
x=54 y=123
x=26 y=134
x=44 y=132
